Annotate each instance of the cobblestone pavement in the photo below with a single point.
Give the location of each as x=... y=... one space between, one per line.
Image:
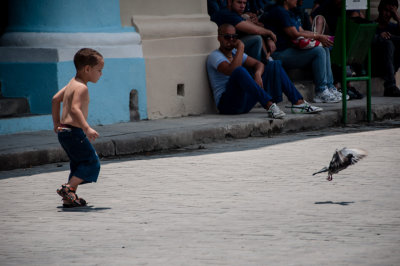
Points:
x=241 y=202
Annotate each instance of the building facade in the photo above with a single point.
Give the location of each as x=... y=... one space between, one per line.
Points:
x=154 y=53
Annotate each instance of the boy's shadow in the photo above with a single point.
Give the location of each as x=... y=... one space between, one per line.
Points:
x=89 y=208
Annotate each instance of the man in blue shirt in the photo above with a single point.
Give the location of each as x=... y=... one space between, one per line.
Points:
x=236 y=91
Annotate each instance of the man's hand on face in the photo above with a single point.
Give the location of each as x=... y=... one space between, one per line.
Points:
x=395 y=15
x=239 y=45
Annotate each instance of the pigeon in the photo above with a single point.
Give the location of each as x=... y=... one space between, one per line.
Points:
x=341 y=160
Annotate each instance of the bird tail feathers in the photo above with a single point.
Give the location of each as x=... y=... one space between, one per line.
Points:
x=325 y=169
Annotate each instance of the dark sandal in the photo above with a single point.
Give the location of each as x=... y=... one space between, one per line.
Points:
x=67 y=193
x=77 y=203
x=70 y=198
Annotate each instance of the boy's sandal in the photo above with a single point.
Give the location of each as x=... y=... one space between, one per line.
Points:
x=67 y=193
x=76 y=203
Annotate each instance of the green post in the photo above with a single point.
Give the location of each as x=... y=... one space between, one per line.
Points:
x=344 y=64
x=369 y=114
x=345 y=79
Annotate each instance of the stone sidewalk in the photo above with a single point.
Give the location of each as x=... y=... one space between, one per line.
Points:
x=246 y=202
x=35 y=148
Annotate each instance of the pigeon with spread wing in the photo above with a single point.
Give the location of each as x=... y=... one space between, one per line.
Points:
x=341 y=160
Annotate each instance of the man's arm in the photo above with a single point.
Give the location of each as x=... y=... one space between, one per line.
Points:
x=258 y=68
x=251 y=28
x=81 y=96
x=55 y=108
x=293 y=34
x=227 y=68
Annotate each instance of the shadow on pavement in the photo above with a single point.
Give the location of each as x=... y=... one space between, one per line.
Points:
x=82 y=209
x=343 y=203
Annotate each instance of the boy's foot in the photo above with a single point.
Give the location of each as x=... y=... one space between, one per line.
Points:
x=77 y=203
x=325 y=96
x=275 y=112
x=69 y=196
x=305 y=108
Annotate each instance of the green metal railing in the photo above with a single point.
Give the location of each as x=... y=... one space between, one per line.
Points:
x=345 y=79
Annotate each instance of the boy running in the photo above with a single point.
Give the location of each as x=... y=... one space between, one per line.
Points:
x=73 y=130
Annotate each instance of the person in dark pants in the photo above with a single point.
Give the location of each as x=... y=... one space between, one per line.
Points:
x=386 y=46
x=236 y=91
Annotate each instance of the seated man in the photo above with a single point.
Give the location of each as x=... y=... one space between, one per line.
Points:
x=259 y=42
x=386 y=46
x=235 y=90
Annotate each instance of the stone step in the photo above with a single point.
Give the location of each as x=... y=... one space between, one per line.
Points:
x=302 y=79
x=14 y=107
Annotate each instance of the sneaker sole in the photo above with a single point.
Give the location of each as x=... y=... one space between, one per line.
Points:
x=276 y=117
x=321 y=101
x=312 y=112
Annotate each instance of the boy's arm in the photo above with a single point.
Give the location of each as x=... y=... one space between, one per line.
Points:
x=81 y=96
x=55 y=108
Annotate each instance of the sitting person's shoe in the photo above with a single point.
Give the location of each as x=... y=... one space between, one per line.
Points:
x=392 y=92
x=275 y=112
x=325 y=96
x=305 y=108
x=338 y=94
x=354 y=94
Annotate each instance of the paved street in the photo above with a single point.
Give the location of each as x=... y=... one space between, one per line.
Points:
x=240 y=202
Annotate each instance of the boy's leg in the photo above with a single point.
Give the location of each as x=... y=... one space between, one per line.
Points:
x=74 y=182
x=84 y=162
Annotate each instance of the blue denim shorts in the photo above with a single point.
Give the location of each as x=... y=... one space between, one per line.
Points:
x=84 y=162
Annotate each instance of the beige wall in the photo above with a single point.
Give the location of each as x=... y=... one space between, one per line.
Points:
x=177 y=36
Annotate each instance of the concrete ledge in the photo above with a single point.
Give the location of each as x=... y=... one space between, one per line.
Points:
x=28 y=149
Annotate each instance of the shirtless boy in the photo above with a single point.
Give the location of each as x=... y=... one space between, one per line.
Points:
x=73 y=130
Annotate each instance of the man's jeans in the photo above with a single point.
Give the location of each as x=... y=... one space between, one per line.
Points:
x=387 y=55
x=253 y=46
x=242 y=92
x=318 y=57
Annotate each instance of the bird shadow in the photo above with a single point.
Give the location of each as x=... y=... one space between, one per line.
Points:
x=343 y=203
x=82 y=209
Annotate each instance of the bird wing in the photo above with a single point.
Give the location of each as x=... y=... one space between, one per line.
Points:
x=357 y=154
x=345 y=157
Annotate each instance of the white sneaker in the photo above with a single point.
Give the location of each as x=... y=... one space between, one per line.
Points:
x=325 y=97
x=338 y=94
x=305 y=108
x=275 y=112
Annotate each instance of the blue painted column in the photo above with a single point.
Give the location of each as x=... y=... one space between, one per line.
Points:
x=37 y=50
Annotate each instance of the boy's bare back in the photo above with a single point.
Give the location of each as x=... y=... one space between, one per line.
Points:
x=76 y=95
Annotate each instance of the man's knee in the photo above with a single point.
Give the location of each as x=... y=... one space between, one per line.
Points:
x=240 y=71
x=386 y=47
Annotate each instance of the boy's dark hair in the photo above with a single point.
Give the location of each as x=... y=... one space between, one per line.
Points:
x=384 y=3
x=86 y=56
